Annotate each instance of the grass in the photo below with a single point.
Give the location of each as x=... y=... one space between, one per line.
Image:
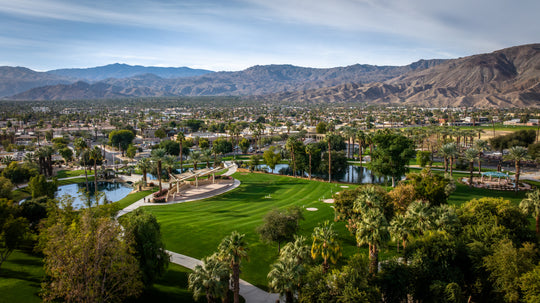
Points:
x=172 y=287
x=196 y=228
x=22 y=273
x=133 y=197
x=20 y=278
x=70 y=173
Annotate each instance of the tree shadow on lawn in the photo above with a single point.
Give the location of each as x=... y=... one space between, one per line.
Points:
x=20 y=275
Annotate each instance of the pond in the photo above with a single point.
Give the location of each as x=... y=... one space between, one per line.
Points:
x=113 y=192
x=353 y=174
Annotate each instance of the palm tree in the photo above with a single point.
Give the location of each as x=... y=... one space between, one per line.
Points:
x=210 y=278
x=144 y=165
x=400 y=230
x=169 y=163
x=297 y=250
x=531 y=205
x=517 y=154
x=329 y=157
x=234 y=248
x=180 y=137
x=158 y=155
x=325 y=244
x=207 y=156
x=80 y=146
x=481 y=146
x=471 y=155
x=361 y=139
x=284 y=278
x=310 y=150
x=419 y=214
x=372 y=229
x=195 y=159
x=448 y=152
x=95 y=155
x=289 y=145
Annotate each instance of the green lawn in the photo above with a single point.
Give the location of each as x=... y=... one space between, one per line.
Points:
x=196 y=228
x=20 y=278
x=70 y=173
x=22 y=273
x=133 y=197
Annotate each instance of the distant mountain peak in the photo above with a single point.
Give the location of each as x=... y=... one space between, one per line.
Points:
x=122 y=70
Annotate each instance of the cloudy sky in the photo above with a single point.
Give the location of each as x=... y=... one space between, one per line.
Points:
x=233 y=35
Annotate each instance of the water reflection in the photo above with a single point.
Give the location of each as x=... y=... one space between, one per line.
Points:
x=113 y=192
x=353 y=174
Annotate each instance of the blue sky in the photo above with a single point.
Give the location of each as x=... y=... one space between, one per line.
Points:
x=233 y=35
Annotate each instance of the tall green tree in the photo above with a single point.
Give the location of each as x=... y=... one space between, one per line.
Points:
x=144 y=165
x=271 y=157
x=531 y=205
x=40 y=187
x=158 y=155
x=97 y=157
x=280 y=226
x=180 y=137
x=210 y=278
x=121 y=138
x=13 y=228
x=311 y=149
x=144 y=232
x=80 y=147
x=284 y=278
x=88 y=260
x=234 y=248
x=325 y=244
x=471 y=155
x=517 y=154
x=393 y=153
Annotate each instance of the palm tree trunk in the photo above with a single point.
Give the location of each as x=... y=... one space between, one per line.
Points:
x=516 y=186
x=159 y=174
x=373 y=259
x=451 y=165
x=95 y=178
x=181 y=161
x=360 y=146
x=289 y=297
x=329 y=162
x=309 y=166
x=86 y=178
x=471 y=167
x=479 y=165
x=236 y=280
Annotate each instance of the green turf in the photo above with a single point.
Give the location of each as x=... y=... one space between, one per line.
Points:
x=172 y=287
x=196 y=228
x=133 y=197
x=70 y=173
x=20 y=278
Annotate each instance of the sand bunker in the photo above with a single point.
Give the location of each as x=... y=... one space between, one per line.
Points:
x=312 y=209
x=344 y=186
x=328 y=200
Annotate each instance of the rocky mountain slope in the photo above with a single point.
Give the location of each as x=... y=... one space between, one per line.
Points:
x=14 y=80
x=508 y=77
x=256 y=80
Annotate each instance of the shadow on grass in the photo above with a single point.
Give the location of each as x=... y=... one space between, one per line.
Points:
x=20 y=275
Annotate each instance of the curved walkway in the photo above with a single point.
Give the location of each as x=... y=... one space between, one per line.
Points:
x=249 y=292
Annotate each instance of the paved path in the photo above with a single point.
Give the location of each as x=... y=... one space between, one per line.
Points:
x=249 y=292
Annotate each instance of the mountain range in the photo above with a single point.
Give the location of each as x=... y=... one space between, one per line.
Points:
x=507 y=78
